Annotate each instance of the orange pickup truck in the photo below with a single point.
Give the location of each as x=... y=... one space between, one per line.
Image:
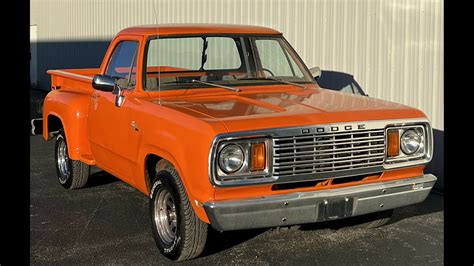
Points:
x=224 y=125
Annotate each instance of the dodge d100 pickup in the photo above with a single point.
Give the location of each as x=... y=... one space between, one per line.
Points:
x=224 y=125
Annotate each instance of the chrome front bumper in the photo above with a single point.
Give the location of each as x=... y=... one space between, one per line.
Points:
x=317 y=206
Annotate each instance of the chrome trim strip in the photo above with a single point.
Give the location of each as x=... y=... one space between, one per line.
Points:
x=379 y=125
x=69 y=74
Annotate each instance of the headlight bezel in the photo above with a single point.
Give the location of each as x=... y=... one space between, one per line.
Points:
x=243 y=175
x=423 y=154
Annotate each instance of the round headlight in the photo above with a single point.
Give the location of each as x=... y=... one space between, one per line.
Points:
x=231 y=158
x=410 y=141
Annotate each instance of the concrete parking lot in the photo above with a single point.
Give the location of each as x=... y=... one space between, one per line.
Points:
x=108 y=222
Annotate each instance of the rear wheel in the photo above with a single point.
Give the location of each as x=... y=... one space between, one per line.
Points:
x=179 y=234
x=72 y=174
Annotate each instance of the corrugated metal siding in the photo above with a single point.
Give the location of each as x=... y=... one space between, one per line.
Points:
x=394 y=48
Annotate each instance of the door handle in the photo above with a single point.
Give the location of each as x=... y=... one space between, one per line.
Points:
x=134 y=125
x=95 y=96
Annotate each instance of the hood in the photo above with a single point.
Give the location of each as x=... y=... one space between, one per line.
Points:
x=286 y=107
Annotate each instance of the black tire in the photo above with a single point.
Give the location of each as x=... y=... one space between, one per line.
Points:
x=372 y=220
x=190 y=233
x=72 y=174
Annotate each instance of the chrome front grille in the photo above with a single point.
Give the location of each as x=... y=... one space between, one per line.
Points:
x=328 y=152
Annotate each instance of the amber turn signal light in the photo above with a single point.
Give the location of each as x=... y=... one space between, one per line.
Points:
x=393 y=143
x=258 y=157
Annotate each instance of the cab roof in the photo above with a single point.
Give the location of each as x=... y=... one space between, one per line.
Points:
x=185 y=29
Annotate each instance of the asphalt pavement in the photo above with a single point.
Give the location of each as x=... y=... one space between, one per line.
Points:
x=107 y=222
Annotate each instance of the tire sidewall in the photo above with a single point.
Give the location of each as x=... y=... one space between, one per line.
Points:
x=164 y=180
x=61 y=137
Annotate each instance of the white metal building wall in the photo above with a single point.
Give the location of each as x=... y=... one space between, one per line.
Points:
x=394 y=48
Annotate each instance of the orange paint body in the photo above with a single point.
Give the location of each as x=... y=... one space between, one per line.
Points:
x=181 y=125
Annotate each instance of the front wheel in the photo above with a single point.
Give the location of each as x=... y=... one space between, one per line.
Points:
x=179 y=234
x=72 y=174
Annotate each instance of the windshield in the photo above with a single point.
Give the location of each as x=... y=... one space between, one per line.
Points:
x=171 y=62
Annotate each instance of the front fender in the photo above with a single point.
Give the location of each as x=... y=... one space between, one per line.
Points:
x=195 y=188
x=185 y=142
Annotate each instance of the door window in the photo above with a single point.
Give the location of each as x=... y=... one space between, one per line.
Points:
x=123 y=62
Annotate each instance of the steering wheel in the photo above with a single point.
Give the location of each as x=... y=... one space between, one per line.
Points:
x=268 y=70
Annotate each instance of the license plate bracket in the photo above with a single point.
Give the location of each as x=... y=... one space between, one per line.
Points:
x=332 y=209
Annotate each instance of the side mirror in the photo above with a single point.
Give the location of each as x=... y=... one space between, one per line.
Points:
x=103 y=83
x=315 y=72
x=110 y=84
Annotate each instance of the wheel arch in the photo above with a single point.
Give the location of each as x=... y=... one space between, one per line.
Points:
x=52 y=122
x=55 y=122
x=156 y=159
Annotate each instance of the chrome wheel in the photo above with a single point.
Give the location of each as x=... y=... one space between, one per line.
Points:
x=166 y=221
x=62 y=160
x=178 y=234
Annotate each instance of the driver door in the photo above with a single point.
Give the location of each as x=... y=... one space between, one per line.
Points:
x=109 y=127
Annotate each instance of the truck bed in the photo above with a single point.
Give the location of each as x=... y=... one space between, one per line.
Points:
x=77 y=79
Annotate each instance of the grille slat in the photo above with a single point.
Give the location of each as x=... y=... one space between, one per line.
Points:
x=332 y=142
x=338 y=151
x=333 y=163
x=328 y=152
x=306 y=144
x=340 y=159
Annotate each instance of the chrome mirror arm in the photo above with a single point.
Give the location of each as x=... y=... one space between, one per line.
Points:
x=119 y=98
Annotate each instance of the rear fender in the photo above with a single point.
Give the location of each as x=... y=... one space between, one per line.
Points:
x=72 y=109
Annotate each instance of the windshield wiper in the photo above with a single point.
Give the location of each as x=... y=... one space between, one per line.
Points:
x=275 y=79
x=288 y=82
x=202 y=82
x=203 y=55
x=217 y=85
